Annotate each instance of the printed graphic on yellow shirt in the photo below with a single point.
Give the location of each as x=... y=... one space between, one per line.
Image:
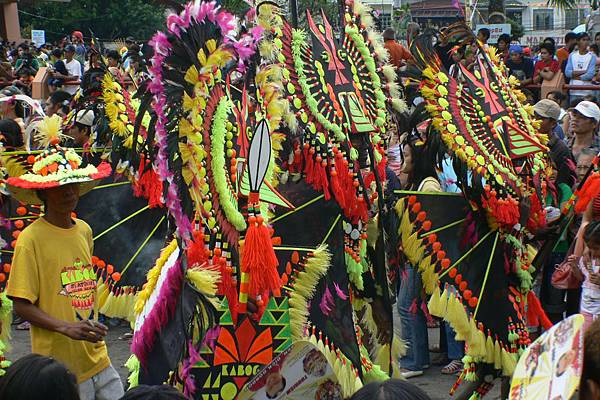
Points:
x=79 y=284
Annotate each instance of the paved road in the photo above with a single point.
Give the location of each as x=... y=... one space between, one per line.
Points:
x=432 y=382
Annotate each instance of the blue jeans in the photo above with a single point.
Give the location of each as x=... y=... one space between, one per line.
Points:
x=456 y=350
x=414 y=325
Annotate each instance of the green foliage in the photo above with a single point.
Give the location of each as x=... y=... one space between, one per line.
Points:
x=331 y=9
x=108 y=19
x=516 y=29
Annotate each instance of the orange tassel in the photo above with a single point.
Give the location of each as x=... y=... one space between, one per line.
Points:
x=259 y=260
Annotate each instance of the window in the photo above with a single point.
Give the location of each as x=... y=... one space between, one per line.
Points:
x=575 y=17
x=516 y=16
x=543 y=19
x=385 y=20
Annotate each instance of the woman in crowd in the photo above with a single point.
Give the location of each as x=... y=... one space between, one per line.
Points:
x=419 y=169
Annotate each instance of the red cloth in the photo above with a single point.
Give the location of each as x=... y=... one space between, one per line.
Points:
x=553 y=65
x=398 y=53
x=562 y=54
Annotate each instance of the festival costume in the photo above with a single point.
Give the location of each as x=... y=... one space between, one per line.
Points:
x=470 y=247
x=217 y=143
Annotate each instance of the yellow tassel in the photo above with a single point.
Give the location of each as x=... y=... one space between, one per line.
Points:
x=204 y=280
x=399 y=207
x=489 y=350
x=497 y=355
x=443 y=310
x=509 y=363
x=304 y=289
x=434 y=302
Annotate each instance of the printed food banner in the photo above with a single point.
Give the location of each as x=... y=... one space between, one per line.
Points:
x=551 y=366
x=299 y=373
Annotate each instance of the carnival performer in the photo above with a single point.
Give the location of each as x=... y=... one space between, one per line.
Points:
x=471 y=252
x=52 y=283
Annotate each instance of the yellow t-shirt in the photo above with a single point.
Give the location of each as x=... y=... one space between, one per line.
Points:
x=52 y=269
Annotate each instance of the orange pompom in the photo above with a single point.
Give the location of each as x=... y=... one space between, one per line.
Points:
x=217 y=252
x=13 y=244
x=31 y=159
x=462 y=286
x=109 y=269
x=2 y=277
x=436 y=246
x=116 y=276
x=412 y=199
x=16 y=233
x=445 y=263
x=467 y=294
x=473 y=302
x=101 y=263
x=19 y=224
x=421 y=216
x=427 y=225
x=432 y=238
x=458 y=279
x=416 y=208
x=21 y=211
x=452 y=273
x=441 y=254
x=95 y=260
x=6 y=267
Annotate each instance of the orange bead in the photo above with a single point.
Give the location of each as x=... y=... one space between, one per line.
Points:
x=16 y=233
x=21 y=211
x=31 y=159
x=452 y=273
x=2 y=277
x=110 y=269
x=412 y=199
x=436 y=246
x=462 y=286
x=445 y=263
x=421 y=216
x=432 y=238
x=416 y=208
x=19 y=224
x=427 y=225
x=101 y=263
x=116 y=276
x=6 y=267
x=467 y=294
x=441 y=254
x=473 y=302
x=458 y=279
x=13 y=244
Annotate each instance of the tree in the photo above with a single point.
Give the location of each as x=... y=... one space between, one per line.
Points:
x=108 y=19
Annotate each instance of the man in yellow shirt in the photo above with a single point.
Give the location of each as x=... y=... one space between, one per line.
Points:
x=52 y=282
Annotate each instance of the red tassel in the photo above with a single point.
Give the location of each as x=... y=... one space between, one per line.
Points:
x=197 y=252
x=259 y=260
x=588 y=191
x=535 y=313
x=149 y=186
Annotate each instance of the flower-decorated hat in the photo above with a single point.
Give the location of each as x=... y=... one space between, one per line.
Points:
x=54 y=167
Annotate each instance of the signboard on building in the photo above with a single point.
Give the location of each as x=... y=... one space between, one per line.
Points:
x=495 y=31
x=38 y=37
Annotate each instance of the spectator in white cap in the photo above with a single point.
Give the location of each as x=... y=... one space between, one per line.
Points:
x=585 y=118
x=81 y=128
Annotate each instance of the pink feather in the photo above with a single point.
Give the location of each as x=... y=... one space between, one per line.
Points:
x=326 y=305
x=340 y=292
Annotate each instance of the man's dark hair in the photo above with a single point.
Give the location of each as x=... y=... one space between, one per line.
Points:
x=53 y=381
x=485 y=32
x=583 y=35
x=505 y=37
x=11 y=131
x=558 y=95
x=570 y=36
x=549 y=47
x=114 y=55
x=550 y=40
x=145 y=392
x=57 y=53
x=391 y=389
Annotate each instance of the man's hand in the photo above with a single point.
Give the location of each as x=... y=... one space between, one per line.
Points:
x=88 y=330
